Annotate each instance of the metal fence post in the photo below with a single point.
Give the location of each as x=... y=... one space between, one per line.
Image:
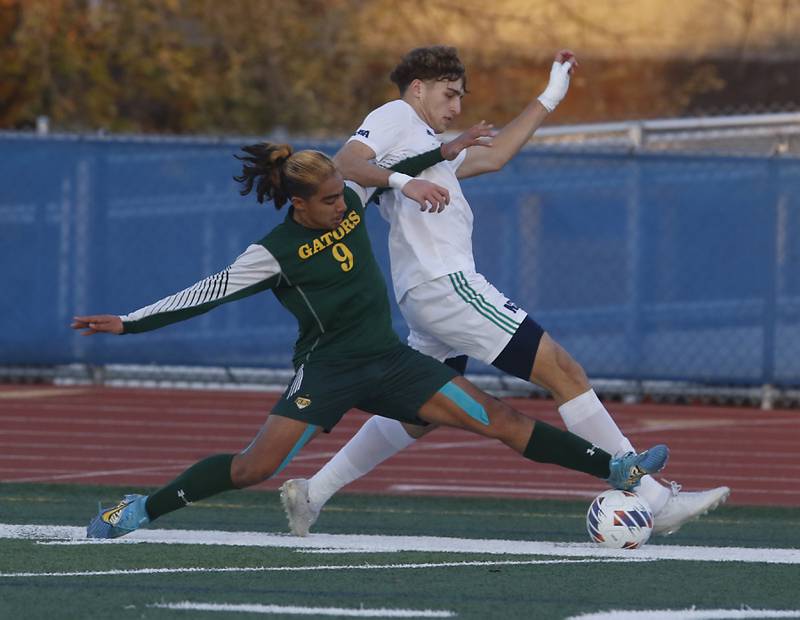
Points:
x=771 y=286
x=634 y=232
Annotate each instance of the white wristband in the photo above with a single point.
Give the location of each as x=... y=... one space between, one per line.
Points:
x=557 y=87
x=398 y=180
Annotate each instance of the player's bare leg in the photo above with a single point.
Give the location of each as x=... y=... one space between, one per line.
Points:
x=585 y=415
x=377 y=440
x=277 y=441
x=582 y=411
x=462 y=405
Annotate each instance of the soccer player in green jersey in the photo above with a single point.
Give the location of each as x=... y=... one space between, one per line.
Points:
x=320 y=266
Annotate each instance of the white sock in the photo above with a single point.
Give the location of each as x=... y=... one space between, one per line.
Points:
x=586 y=416
x=377 y=440
x=654 y=492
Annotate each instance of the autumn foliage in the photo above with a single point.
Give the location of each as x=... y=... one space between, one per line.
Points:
x=317 y=66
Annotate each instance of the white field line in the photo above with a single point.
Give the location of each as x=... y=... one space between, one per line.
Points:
x=26 y=448
x=305 y=464
x=309 y=611
x=427 y=446
x=87 y=459
x=489 y=491
x=688 y=614
x=298 y=569
x=455 y=484
x=134 y=407
x=127 y=436
x=773 y=457
x=494 y=489
x=35 y=393
x=348 y=543
x=117 y=423
x=415 y=462
x=707 y=454
x=666 y=424
x=162 y=469
x=537 y=490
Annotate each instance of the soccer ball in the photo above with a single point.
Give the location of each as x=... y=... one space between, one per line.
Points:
x=620 y=520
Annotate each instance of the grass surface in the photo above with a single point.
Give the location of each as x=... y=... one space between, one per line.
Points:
x=555 y=590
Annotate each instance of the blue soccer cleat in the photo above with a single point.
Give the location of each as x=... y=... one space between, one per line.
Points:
x=124 y=518
x=628 y=469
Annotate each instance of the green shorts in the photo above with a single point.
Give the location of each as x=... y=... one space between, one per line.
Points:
x=394 y=385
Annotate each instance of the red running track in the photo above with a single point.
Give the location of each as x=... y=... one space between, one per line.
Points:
x=141 y=437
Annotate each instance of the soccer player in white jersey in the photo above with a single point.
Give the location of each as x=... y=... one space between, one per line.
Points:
x=452 y=311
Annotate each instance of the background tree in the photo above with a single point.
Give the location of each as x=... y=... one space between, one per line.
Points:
x=315 y=67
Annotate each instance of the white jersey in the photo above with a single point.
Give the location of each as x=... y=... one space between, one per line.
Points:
x=422 y=246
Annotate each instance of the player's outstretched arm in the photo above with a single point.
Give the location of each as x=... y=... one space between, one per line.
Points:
x=513 y=136
x=255 y=270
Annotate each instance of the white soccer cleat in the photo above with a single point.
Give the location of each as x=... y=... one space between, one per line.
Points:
x=685 y=506
x=299 y=512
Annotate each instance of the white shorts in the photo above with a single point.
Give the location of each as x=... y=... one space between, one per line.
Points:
x=460 y=314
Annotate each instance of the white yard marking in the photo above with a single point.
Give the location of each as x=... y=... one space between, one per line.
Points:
x=492 y=490
x=296 y=569
x=310 y=611
x=160 y=469
x=670 y=424
x=446 y=445
x=164 y=468
x=46 y=393
x=688 y=614
x=347 y=543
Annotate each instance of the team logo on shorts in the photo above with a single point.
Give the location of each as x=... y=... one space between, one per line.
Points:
x=302 y=402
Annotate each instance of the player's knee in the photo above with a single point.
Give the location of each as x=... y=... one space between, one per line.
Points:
x=570 y=368
x=557 y=370
x=416 y=431
x=504 y=420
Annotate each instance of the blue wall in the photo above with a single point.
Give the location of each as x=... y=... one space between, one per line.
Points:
x=642 y=266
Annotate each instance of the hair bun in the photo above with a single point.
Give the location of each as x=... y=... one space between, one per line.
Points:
x=280 y=153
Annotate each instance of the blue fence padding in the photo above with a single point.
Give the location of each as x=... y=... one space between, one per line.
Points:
x=643 y=266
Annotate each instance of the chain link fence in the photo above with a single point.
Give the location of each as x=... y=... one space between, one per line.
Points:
x=663 y=255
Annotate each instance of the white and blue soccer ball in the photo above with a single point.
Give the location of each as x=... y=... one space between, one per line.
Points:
x=620 y=520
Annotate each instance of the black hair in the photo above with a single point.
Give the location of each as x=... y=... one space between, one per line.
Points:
x=279 y=173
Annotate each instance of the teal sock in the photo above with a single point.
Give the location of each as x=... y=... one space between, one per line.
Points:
x=203 y=479
x=549 y=444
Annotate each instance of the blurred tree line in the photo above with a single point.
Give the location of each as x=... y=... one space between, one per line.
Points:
x=315 y=67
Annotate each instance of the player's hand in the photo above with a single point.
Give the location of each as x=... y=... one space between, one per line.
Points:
x=97 y=323
x=477 y=135
x=430 y=197
x=563 y=56
x=563 y=67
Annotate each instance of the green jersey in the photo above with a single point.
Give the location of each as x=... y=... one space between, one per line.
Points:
x=328 y=279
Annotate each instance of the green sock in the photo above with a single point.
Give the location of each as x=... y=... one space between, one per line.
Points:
x=549 y=444
x=203 y=479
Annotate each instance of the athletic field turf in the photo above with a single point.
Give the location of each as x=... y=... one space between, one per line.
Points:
x=371 y=561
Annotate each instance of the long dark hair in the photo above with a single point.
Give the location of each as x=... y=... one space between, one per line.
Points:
x=278 y=173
